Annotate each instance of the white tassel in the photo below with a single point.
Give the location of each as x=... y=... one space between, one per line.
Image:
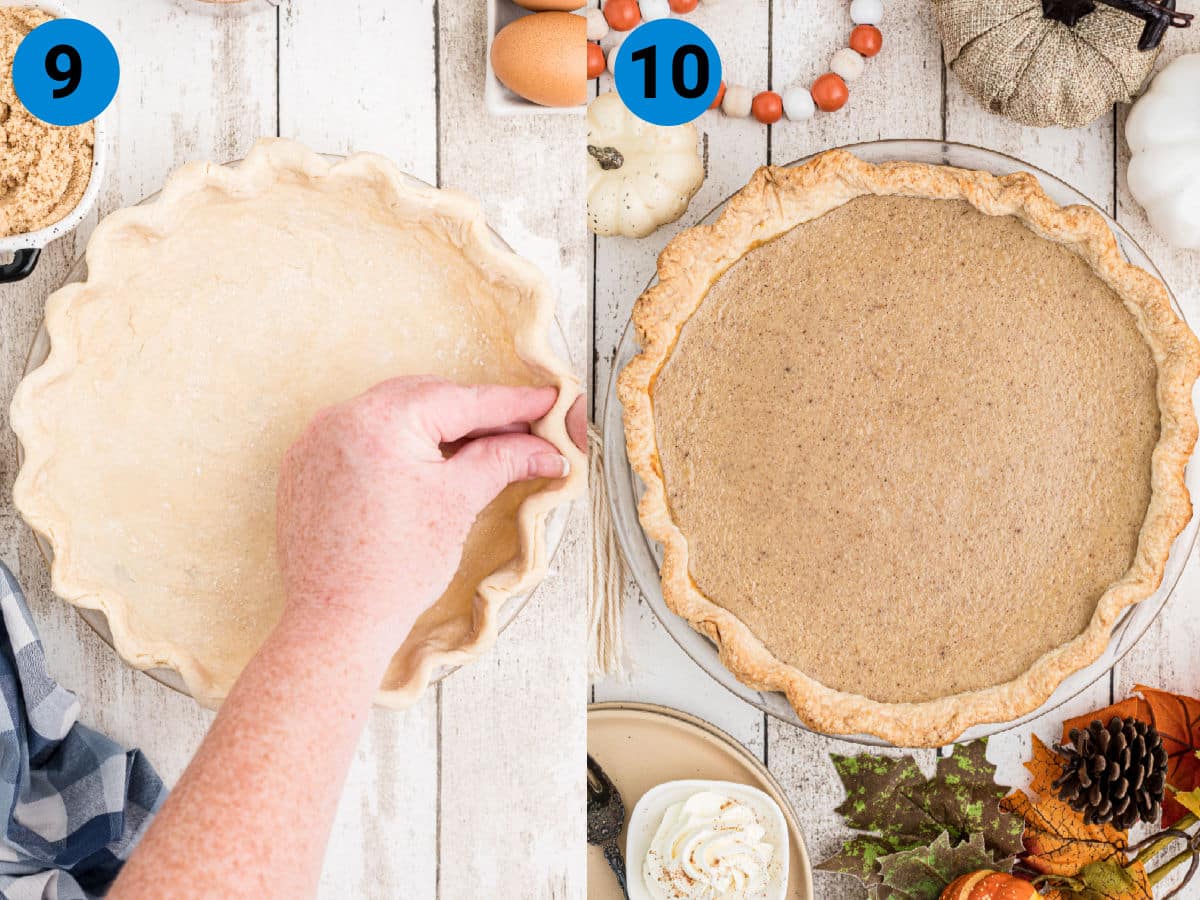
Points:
x=606 y=635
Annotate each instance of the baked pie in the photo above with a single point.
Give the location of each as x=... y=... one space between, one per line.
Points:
x=912 y=439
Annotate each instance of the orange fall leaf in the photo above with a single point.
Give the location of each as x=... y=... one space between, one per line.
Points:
x=1057 y=841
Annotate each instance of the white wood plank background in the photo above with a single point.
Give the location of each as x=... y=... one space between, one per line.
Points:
x=476 y=790
x=906 y=93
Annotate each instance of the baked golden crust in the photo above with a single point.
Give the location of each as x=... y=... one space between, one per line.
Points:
x=776 y=200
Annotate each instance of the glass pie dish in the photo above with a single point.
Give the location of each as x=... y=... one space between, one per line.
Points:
x=555 y=522
x=644 y=556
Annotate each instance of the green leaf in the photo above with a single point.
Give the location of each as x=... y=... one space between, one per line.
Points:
x=893 y=798
x=924 y=872
x=860 y=856
x=1107 y=879
x=969 y=800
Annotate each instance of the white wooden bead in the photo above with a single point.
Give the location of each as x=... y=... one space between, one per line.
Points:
x=847 y=63
x=597 y=25
x=866 y=12
x=737 y=101
x=654 y=9
x=612 y=60
x=798 y=103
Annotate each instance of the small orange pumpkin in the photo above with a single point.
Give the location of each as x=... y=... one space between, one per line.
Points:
x=988 y=885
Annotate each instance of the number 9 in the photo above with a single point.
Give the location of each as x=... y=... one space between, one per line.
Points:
x=71 y=75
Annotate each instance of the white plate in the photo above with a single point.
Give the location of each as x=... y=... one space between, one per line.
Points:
x=640 y=746
x=498 y=99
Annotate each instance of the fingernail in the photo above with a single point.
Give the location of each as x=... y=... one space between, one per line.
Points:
x=548 y=465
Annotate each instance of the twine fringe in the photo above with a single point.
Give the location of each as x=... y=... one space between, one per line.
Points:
x=606 y=634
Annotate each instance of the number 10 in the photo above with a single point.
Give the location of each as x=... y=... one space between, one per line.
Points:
x=649 y=55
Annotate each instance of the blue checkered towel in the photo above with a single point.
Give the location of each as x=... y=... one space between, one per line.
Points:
x=77 y=803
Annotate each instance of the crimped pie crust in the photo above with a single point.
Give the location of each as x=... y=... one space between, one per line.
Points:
x=350 y=251
x=776 y=200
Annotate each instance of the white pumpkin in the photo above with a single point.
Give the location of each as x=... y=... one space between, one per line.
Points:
x=1163 y=131
x=640 y=176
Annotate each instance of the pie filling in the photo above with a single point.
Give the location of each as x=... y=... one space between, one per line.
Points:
x=909 y=445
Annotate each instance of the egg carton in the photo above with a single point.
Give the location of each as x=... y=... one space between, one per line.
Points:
x=498 y=99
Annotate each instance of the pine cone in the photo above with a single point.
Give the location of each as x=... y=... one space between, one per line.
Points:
x=1116 y=774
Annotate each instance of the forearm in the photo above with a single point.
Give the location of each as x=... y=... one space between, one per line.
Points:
x=251 y=815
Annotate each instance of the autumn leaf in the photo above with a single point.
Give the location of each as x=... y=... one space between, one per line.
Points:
x=924 y=872
x=1177 y=719
x=1107 y=880
x=893 y=798
x=899 y=809
x=860 y=857
x=1189 y=800
x=1057 y=841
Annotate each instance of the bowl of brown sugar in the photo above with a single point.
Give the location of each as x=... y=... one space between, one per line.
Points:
x=49 y=175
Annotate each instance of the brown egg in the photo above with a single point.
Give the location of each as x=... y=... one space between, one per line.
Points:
x=545 y=5
x=543 y=57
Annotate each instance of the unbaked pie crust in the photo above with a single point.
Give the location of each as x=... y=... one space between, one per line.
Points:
x=839 y=470
x=214 y=322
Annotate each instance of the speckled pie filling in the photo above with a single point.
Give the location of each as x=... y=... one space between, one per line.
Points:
x=908 y=445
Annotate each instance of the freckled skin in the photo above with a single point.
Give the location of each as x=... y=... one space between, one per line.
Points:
x=371 y=520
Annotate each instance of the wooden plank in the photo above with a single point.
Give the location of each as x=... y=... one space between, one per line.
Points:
x=384 y=839
x=513 y=731
x=733 y=149
x=899 y=95
x=1082 y=157
x=361 y=75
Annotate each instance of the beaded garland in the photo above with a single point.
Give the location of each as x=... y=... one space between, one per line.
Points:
x=828 y=93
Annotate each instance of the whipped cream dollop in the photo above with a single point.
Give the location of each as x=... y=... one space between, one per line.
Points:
x=708 y=847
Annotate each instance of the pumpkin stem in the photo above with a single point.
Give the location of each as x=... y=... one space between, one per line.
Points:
x=1159 y=15
x=608 y=157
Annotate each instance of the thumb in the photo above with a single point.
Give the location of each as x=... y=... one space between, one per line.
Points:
x=487 y=465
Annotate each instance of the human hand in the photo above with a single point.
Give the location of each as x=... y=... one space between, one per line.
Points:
x=372 y=515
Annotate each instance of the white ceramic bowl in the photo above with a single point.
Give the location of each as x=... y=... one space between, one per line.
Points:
x=27 y=248
x=498 y=99
x=647 y=815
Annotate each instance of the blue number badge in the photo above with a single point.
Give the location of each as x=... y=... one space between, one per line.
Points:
x=667 y=72
x=66 y=72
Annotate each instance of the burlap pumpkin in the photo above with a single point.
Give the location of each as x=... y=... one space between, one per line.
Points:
x=1039 y=71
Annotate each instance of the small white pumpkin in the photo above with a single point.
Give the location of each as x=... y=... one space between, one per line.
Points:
x=1163 y=131
x=640 y=176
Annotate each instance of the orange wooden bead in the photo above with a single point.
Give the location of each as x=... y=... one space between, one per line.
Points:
x=595 y=60
x=681 y=7
x=622 y=15
x=829 y=92
x=720 y=96
x=767 y=107
x=866 y=40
